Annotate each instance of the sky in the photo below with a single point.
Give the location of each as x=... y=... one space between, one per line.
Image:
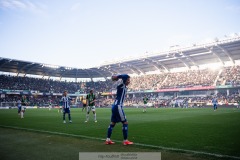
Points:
x=87 y=33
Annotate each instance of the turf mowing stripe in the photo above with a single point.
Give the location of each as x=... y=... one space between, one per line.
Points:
x=137 y=144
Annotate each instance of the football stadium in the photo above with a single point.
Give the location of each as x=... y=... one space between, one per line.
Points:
x=71 y=70
x=179 y=120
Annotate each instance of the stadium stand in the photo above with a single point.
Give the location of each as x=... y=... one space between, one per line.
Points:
x=164 y=88
x=187 y=79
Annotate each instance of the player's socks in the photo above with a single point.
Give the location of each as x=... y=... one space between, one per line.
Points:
x=125 y=131
x=87 y=117
x=69 y=117
x=22 y=115
x=95 y=117
x=64 y=116
x=110 y=128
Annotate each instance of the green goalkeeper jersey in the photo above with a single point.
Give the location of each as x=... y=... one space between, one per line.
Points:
x=145 y=100
x=24 y=101
x=238 y=101
x=90 y=98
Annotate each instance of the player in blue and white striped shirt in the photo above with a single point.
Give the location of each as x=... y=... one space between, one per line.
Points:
x=66 y=100
x=215 y=103
x=118 y=114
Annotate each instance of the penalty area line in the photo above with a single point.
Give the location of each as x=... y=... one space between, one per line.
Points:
x=137 y=144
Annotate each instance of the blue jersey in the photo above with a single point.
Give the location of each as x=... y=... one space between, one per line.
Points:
x=19 y=103
x=121 y=92
x=118 y=114
x=66 y=102
x=214 y=101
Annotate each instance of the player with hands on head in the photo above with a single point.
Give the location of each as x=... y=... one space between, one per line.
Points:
x=118 y=114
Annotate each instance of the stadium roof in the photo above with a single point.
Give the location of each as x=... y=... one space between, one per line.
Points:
x=217 y=51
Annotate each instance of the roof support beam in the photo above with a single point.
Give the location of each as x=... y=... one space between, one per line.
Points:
x=36 y=65
x=219 y=58
x=7 y=61
x=76 y=75
x=184 y=62
x=112 y=70
x=106 y=70
x=133 y=67
x=215 y=54
x=226 y=52
x=134 y=70
x=153 y=63
x=50 y=72
x=61 y=74
x=99 y=73
x=85 y=70
x=21 y=69
x=157 y=63
x=188 y=57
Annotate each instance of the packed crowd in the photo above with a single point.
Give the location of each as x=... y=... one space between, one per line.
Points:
x=36 y=84
x=147 y=82
x=11 y=100
x=171 y=101
x=230 y=76
x=190 y=78
x=134 y=100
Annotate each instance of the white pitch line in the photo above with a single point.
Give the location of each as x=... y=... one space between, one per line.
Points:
x=137 y=144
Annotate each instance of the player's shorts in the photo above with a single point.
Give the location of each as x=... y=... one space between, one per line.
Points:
x=22 y=108
x=144 y=105
x=66 y=110
x=89 y=108
x=118 y=114
x=19 y=109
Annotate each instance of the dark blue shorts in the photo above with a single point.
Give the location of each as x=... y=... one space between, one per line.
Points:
x=66 y=110
x=118 y=114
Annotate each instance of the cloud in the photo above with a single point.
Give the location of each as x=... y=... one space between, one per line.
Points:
x=12 y=4
x=25 y=5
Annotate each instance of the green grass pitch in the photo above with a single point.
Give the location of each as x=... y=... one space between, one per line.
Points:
x=177 y=133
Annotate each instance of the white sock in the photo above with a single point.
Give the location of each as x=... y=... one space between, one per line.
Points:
x=87 y=117
x=21 y=114
x=108 y=139
x=95 y=117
